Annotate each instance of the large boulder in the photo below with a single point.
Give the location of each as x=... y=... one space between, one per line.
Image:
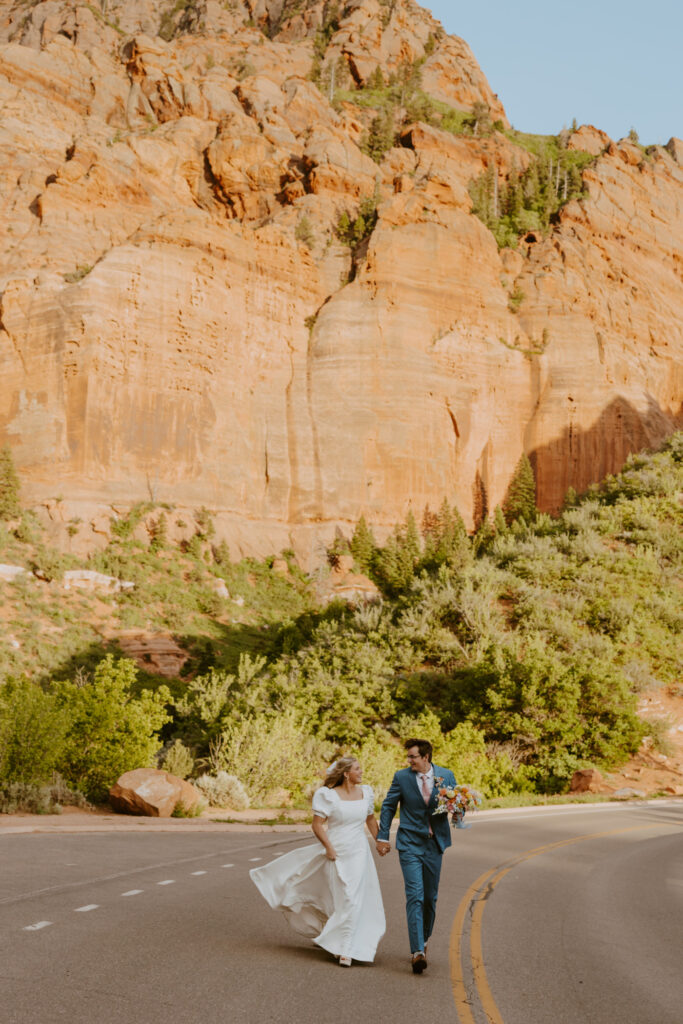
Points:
x=153 y=793
x=588 y=780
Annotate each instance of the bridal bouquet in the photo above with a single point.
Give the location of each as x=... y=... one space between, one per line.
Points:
x=456 y=800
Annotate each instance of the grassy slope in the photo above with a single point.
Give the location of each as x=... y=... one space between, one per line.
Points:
x=598 y=586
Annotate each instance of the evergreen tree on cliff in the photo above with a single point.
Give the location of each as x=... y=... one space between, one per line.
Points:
x=9 y=485
x=520 y=500
x=363 y=546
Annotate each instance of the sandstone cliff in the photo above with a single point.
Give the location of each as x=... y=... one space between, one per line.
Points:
x=180 y=320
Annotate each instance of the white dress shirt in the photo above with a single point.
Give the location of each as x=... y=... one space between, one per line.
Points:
x=429 y=776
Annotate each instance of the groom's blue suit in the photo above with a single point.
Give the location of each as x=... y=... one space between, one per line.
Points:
x=419 y=852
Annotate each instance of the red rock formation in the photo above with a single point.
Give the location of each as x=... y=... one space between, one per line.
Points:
x=153 y=793
x=180 y=322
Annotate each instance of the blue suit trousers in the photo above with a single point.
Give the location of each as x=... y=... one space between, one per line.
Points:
x=421 y=867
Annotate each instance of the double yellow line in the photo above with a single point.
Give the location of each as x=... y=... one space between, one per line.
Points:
x=475 y=899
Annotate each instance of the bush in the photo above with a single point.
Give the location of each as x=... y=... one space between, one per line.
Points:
x=272 y=752
x=28 y=798
x=215 y=699
x=303 y=232
x=33 y=731
x=9 y=486
x=563 y=715
x=178 y=760
x=223 y=790
x=110 y=730
x=464 y=751
x=181 y=811
x=379 y=756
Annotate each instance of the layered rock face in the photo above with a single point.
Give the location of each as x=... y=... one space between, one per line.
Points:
x=180 y=321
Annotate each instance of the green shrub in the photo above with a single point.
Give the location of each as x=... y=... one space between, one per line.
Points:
x=223 y=790
x=273 y=751
x=379 y=756
x=30 y=798
x=181 y=811
x=26 y=798
x=464 y=750
x=33 y=733
x=10 y=506
x=303 y=231
x=110 y=730
x=178 y=760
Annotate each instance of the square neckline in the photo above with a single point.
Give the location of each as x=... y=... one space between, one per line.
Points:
x=356 y=800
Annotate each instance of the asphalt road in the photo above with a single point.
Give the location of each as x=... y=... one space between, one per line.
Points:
x=553 y=917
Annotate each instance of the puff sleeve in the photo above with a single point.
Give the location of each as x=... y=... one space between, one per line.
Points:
x=369 y=800
x=322 y=802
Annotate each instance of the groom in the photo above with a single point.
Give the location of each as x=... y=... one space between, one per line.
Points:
x=421 y=840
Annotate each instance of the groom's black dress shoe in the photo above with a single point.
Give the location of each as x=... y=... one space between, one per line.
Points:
x=419 y=963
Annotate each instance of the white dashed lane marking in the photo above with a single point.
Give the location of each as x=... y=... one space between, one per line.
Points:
x=39 y=925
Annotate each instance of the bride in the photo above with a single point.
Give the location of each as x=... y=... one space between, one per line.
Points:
x=330 y=891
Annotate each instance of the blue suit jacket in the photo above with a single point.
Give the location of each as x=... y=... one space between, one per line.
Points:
x=416 y=815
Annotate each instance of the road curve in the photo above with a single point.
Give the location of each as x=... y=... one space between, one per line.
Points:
x=561 y=915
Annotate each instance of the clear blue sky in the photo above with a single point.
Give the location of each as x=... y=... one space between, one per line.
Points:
x=616 y=64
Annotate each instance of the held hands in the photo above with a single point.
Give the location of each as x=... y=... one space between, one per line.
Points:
x=383 y=847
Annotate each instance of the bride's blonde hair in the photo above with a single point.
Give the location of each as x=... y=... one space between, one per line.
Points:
x=335 y=773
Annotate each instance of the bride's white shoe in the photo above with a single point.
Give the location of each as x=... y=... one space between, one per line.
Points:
x=345 y=961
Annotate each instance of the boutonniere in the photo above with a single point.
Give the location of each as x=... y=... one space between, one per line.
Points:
x=438 y=788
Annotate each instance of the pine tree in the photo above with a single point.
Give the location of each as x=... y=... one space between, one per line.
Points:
x=453 y=543
x=499 y=523
x=387 y=565
x=409 y=547
x=9 y=486
x=430 y=524
x=483 y=538
x=380 y=136
x=520 y=500
x=513 y=201
x=363 y=546
x=570 y=499
x=344 y=230
x=480 y=501
x=376 y=79
x=430 y=536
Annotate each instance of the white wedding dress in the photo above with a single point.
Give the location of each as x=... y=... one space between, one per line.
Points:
x=337 y=903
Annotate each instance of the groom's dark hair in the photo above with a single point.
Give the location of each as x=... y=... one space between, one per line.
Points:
x=424 y=747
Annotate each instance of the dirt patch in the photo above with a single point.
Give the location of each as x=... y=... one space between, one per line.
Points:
x=650 y=770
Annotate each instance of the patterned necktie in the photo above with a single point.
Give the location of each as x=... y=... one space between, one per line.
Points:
x=424 y=785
